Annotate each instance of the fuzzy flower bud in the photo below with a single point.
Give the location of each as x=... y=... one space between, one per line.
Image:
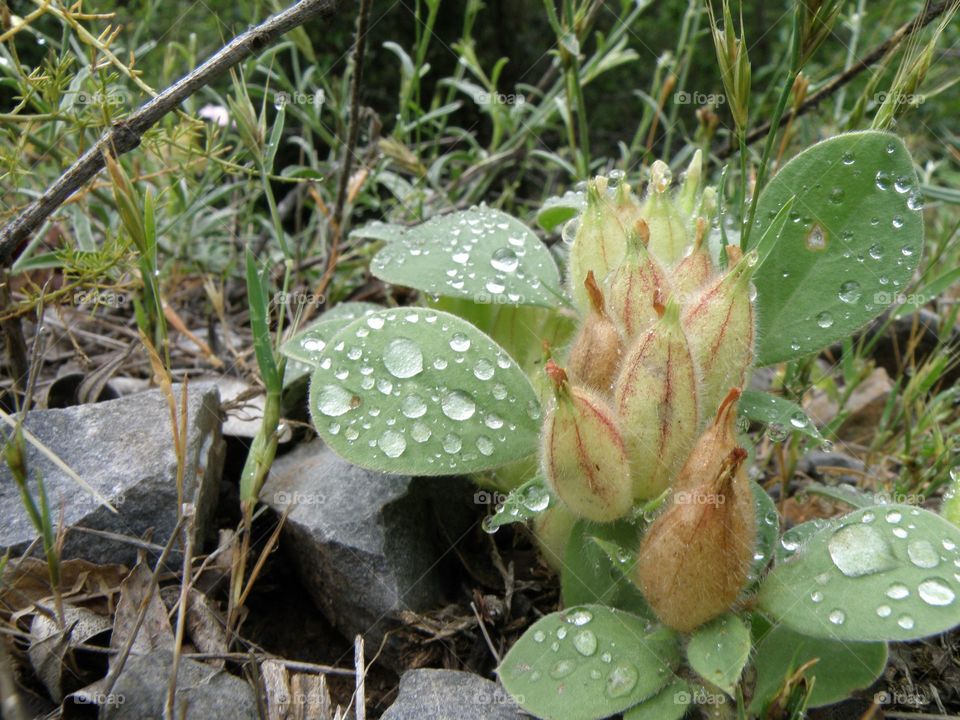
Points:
x=636 y=285
x=687 y=196
x=695 y=558
x=599 y=245
x=720 y=327
x=551 y=531
x=584 y=457
x=712 y=447
x=668 y=232
x=626 y=205
x=696 y=269
x=595 y=353
x=656 y=400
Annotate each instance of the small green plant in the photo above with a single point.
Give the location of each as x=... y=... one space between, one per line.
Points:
x=623 y=441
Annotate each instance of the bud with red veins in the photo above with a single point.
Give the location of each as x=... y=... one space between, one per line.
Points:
x=599 y=245
x=656 y=399
x=584 y=457
x=720 y=328
x=551 y=531
x=696 y=269
x=636 y=285
x=626 y=205
x=595 y=353
x=668 y=227
x=712 y=447
x=695 y=558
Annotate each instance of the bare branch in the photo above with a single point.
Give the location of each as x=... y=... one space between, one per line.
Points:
x=125 y=135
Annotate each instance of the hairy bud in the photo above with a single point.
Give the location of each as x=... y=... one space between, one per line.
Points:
x=595 y=353
x=712 y=447
x=599 y=245
x=656 y=399
x=636 y=285
x=584 y=457
x=696 y=269
x=720 y=328
x=695 y=558
x=551 y=530
x=668 y=232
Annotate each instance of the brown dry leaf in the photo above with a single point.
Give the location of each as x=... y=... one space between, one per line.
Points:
x=155 y=632
x=205 y=627
x=52 y=648
x=26 y=583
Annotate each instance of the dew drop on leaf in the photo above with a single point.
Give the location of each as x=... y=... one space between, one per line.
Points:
x=936 y=591
x=562 y=668
x=898 y=591
x=585 y=642
x=923 y=554
x=403 y=358
x=837 y=617
x=505 y=260
x=850 y=292
x=413 y=406
x=392 y=443
x=825 y=319
x=859 y=550
x=460 y=342
x=621 y=680
x=334 y=401
x=458 y=405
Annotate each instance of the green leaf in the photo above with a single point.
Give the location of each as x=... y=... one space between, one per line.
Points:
x=670 y=703
x=776 y=411
x=379 y=230
x=262 y=342
x=841 y=667
x=480 y=254
x=559 y=209
x=719 y=650
x=522 y=503
x=308 y=344
x=768 y=530
x=852 y=243
x=414 y=390
x=591 y=573
x=588 y=662
x=888 y=572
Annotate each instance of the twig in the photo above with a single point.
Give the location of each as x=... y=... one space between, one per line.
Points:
x=360 y=711
x=911 y=27
x=125 y=134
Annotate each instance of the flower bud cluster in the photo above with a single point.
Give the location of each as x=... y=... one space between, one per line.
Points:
x=646 y=402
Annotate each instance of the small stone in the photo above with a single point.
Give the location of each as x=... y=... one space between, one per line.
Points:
x=124 y=449
x=444 y=694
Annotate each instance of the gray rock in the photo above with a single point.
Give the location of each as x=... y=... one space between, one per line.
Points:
x=203 y=690
x=124 y=449
x=811 y=464
x=450 y=695
x=364 y=543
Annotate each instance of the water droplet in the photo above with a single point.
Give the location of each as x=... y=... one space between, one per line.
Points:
x=621 y=680
x=539 y=636
x=923 y=554
x=850 y=291
x=562 y=668
x=875 y=252
x=413 y=406
x=848 y=158
x=897 y=221
x=313 y=344
x=905 y=621
x=936 y=591
x=884 y=611
x=334 y=401
x=420 y=432
x=533 y=410
x=902 y=184
x=837 y=617
x=883 y=180
x=483 y=370
x=392 y=443
x=816 y=239
x=915 y=202
x=561 y=633
x=836 y=195
x=499 y=391
x=816 y=596
x=485 y=446
x=578 y=617
x=893 y=517
x=825 y=319
x=898 y=591
x=458 y=405
x=606 y=657
x=452 y=443
x=868 y=517
x=798 y=420
x=505 y=260
x=403 y=358
x=460 y=342
x=859 y=550
x=585 y=642
x=493 y=421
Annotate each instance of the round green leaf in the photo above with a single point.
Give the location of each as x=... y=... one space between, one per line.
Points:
x=413 y=390
x=841 y=667
x=719 y=650
x=588 y=662
x=887 y=572
x=560 y=208
x=307 y=345
x=852 y=242
x=481 y=254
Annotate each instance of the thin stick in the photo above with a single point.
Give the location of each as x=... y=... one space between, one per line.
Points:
x=360 y=711
x=190 y=515
x=125 y=135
